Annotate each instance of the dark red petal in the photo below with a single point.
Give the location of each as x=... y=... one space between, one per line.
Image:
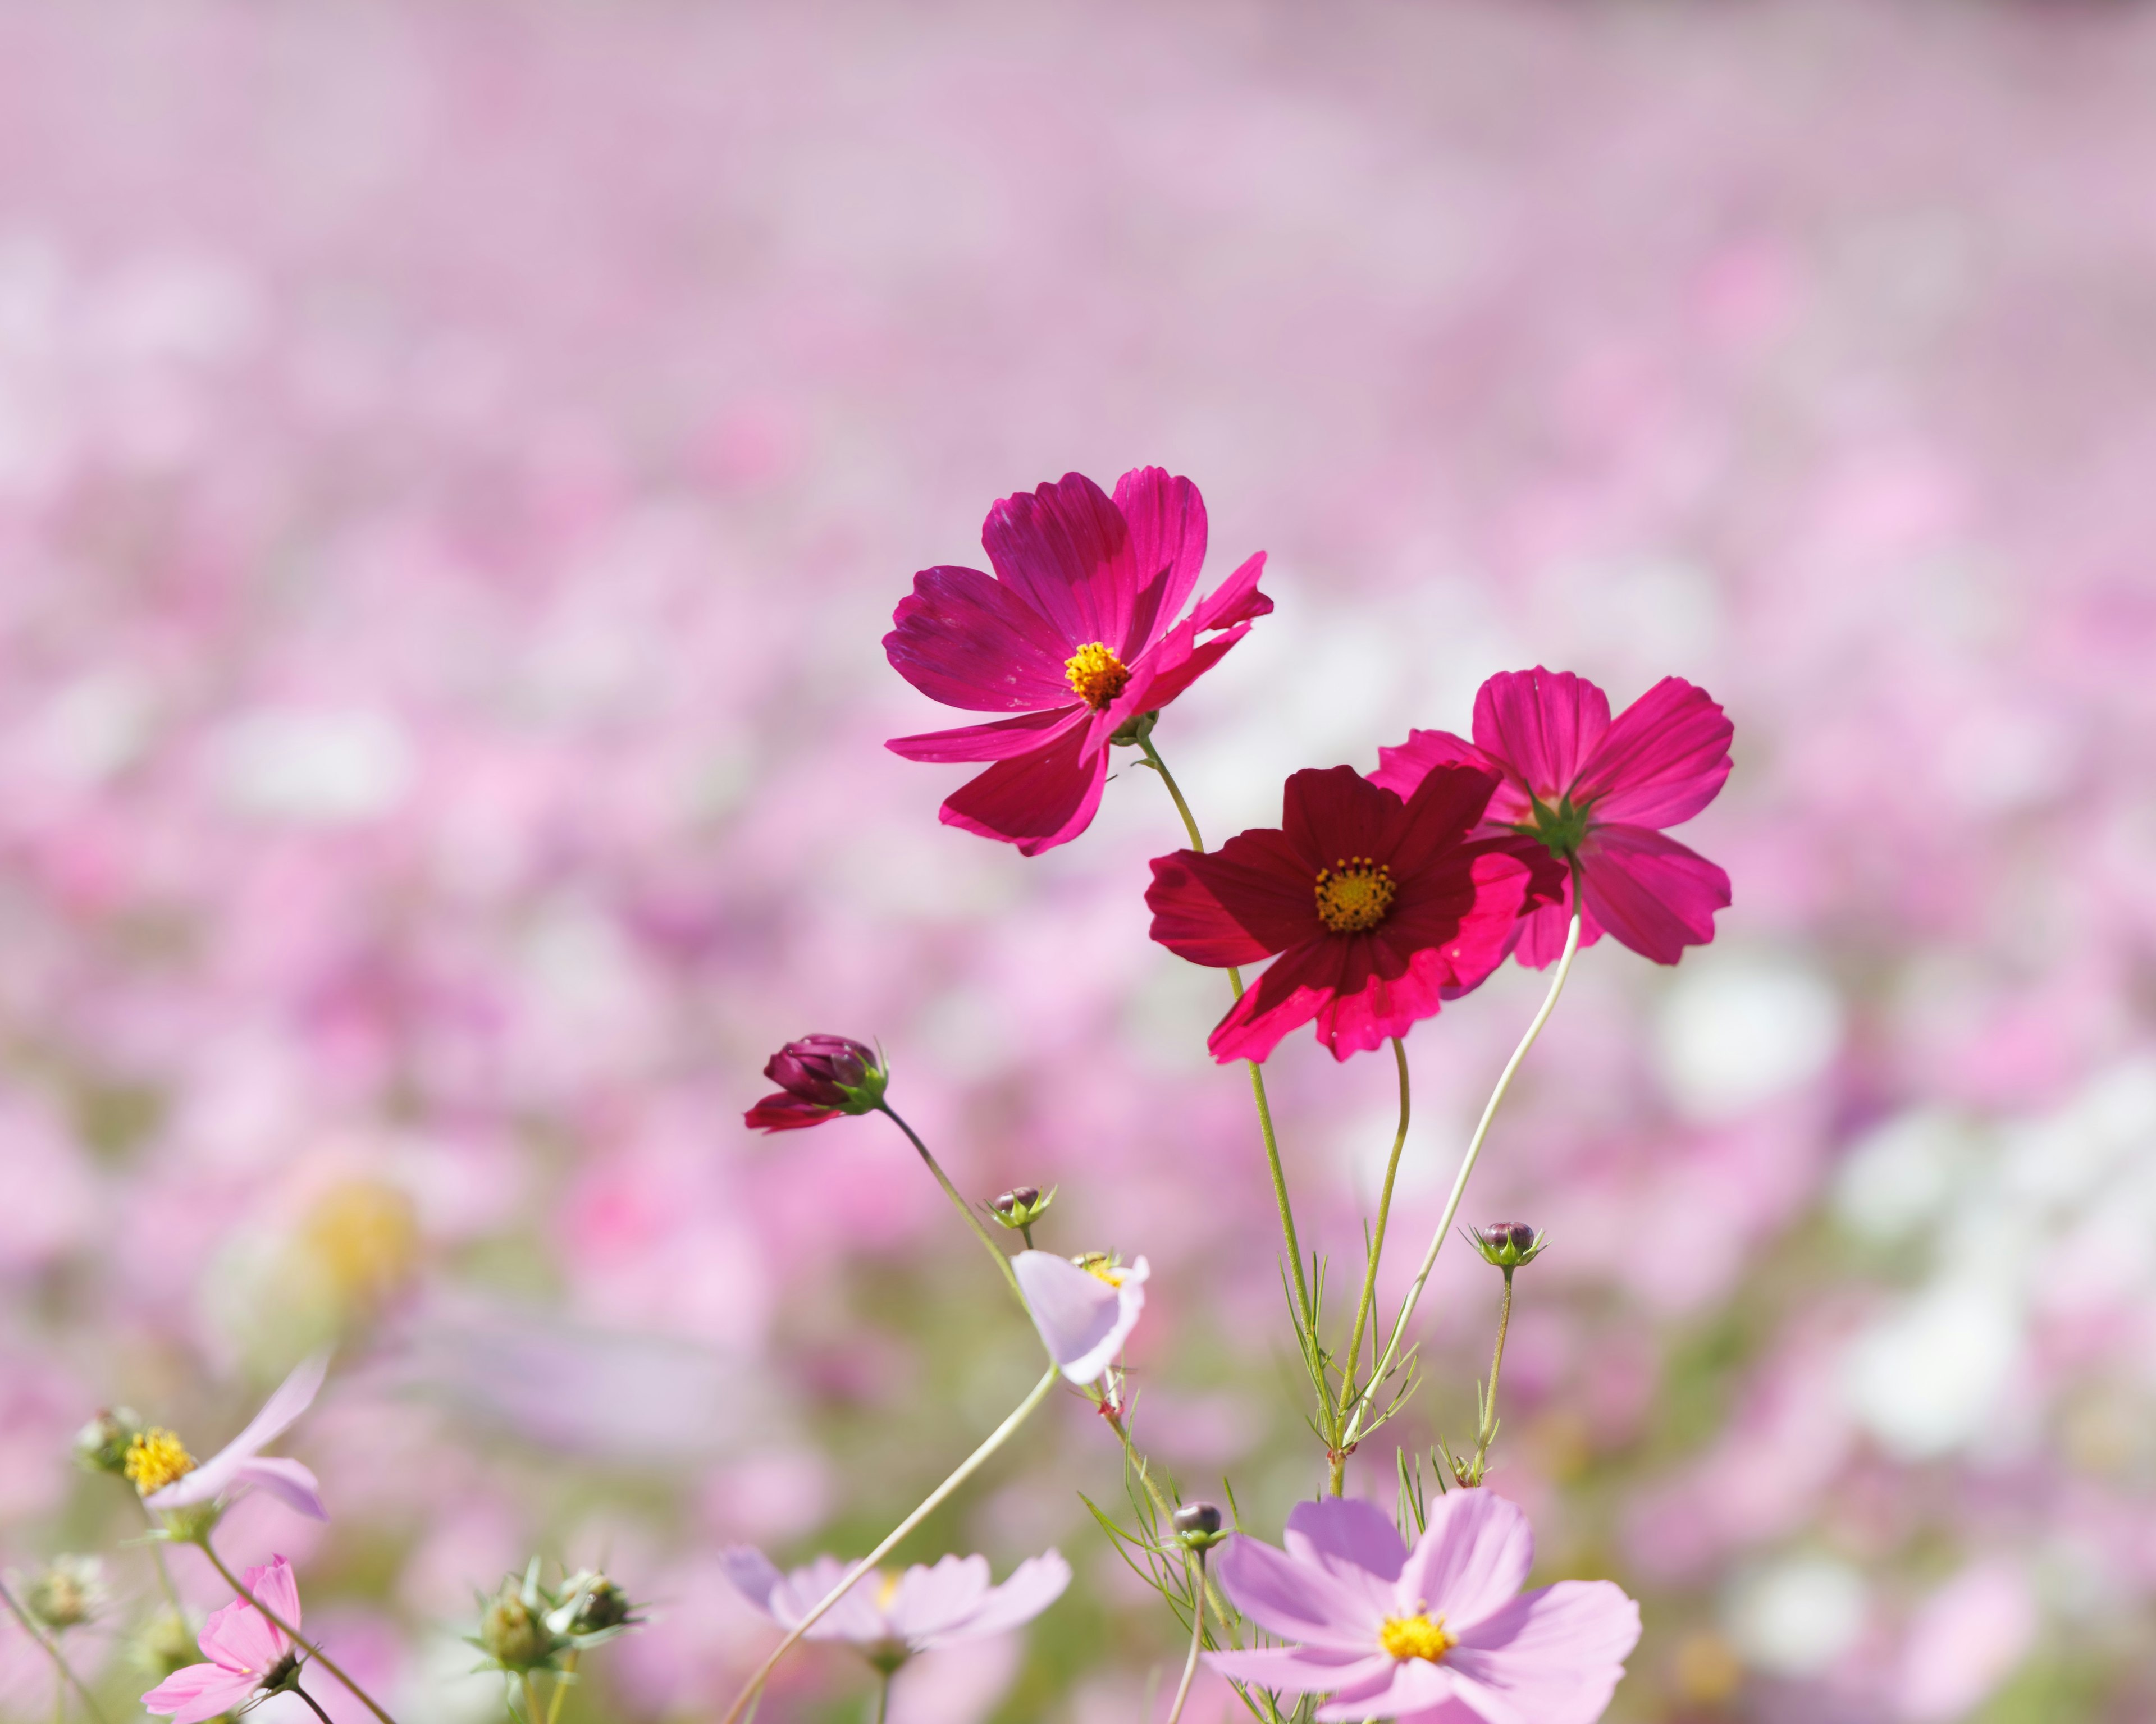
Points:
x=999 y=741
x=1649 y=891
x=1065 y=550
x=1166 y=518
x=1289 y=993
x=1544 y=724
x=1329 y=813
x=786 y=1113
x=1446 y=806
x=1662 y=761
x=1401 y=768
x=1235 y=599
x=1035 y=801
x=1250 y=898
x=962 y=639
x=1382 y=1001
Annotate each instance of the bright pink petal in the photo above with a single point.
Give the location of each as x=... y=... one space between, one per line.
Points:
x=1554 y=1656
x=1298 y=1669
x=932 y=1597
x=198 y=1692
x=1298 y=985
x=1343 y=1534
x=1037 y=801
x=969 y=641
x=278 y=1587
x=1235 y=599
x=1002 y=740
x=782 y=1112
x=1538 y=938
x=1544 y=723
x=1400 y=769
x=1662 y=761
x=1297 y=1601
x=1378 y=995
x=1245 y=901
x=241 y=1639
x=1065 y=550
x=1169 y=669
x=1472 y=1559
x=1412 y=1684
x=1033 y=1585
x=288 y=1481
x=1166 y=518
x=1649 y=891
x=1445 y=1712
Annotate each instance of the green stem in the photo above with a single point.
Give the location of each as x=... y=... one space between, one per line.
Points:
x=312 y=1705
x=157 y=1556
x=1488 y=1433
x=561 y=1688
x=1363 y=1401
x=1196 y=1640
x=1339 y=1459
x=1161 y=1506
x=935 y=1500
x=531 y=1698
x=291 y=1634
x=883 y=1698
x=1305 y=1312
x=51 y=1649
x=966 y=1209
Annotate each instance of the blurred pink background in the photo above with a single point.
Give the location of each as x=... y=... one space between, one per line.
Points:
x=456 y=463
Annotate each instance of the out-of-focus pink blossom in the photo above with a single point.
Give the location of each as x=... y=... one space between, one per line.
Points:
x=895 y=1616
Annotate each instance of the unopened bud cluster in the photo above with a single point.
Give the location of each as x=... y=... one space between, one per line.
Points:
x=527 y=1626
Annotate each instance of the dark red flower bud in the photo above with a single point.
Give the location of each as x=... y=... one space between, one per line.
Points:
x=820 y=1077
x=1507 y=1244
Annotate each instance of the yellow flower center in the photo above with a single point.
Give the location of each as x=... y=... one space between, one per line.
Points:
x=1095 y=675
x=1354 y=894
x=1103 y=1267
x=1405 y=1637
x=155 y=1459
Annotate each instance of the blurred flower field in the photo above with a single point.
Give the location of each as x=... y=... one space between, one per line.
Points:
x=457 y=467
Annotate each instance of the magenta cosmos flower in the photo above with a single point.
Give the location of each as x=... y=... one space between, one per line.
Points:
x=891 y=1617
x=1598 y=792
x=169 y=1478
x=1381 y=907
x=1084 y=1307
x=820 y=1077
x=1440 y=1634
x=1077 y=634
x=247 y=1652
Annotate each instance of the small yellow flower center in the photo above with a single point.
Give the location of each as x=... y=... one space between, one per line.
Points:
x=887 y=1590
x=1405 y=1637
x=1103 y=1267
x=1354 y=894
x=155 y=1459
x=1095 y=675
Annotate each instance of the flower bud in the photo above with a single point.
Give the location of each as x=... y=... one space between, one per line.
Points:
x=166 y=1643
x=66 y=1594
x=1508 y=1244
x=1023 y=1205
x=1198 y=1525
x=512 y=1632
x=101 y=1445
x=605 y=1606
x=820 y=1077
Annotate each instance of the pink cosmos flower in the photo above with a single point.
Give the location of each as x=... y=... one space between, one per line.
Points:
x=1084 y=1308
x=820 y=1077
x=1441 y=1633
x=1597 y=791
x=891 y=1617
x=1073 y=634
x=241 y=1463
x=247 y=1652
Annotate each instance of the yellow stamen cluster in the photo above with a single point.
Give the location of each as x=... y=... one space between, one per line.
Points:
x=1095 y=675
x=1102 y=1267
x=1405 y=1637
x=1355 y=894
x=155 y=1459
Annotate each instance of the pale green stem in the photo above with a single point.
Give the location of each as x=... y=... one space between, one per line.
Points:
x=158 y=1555
x=312 y=1705
x=935 y=1500
x=291 y=1634
x=531 y=1698
x=1305 y=1311
x=965 y=1208
x=1466 y=1167
x=1160 y=1502
x=1196 y=1640
x=1488 y=1433
x=63 y=1672
x=561 y=1688
x=883 y=1698
x=1339 y=1459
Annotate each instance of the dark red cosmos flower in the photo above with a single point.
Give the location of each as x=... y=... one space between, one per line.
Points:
x=1380 y=909
x=820 y=1077
x=1598 y=792
x=1076 y=634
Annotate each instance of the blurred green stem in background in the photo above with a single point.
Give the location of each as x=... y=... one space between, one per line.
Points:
x=1337 y=1457
x=292 y=1634
x=965 y=1208
x=64 y=1671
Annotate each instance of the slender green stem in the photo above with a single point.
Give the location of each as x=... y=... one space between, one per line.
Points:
x=292 y=1634
x=1196 y=1640
x=1339 y=1460
x=64 y=1671
x=935 y=1500
x=965 y=1208
x=312 y=1705
x=1305 y=1311
x=1364 y=1401
x=561 y=1688
x=883 y=1698
x=1488 y=1433
x=531 y=1698
x=1160 y=1501
x=158 y=1555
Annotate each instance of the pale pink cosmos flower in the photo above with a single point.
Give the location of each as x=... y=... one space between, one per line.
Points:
x=247 y=1652
x=891 y=1617
x=1441 y=1633
x=1084 y=1308
x=241 y=1463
